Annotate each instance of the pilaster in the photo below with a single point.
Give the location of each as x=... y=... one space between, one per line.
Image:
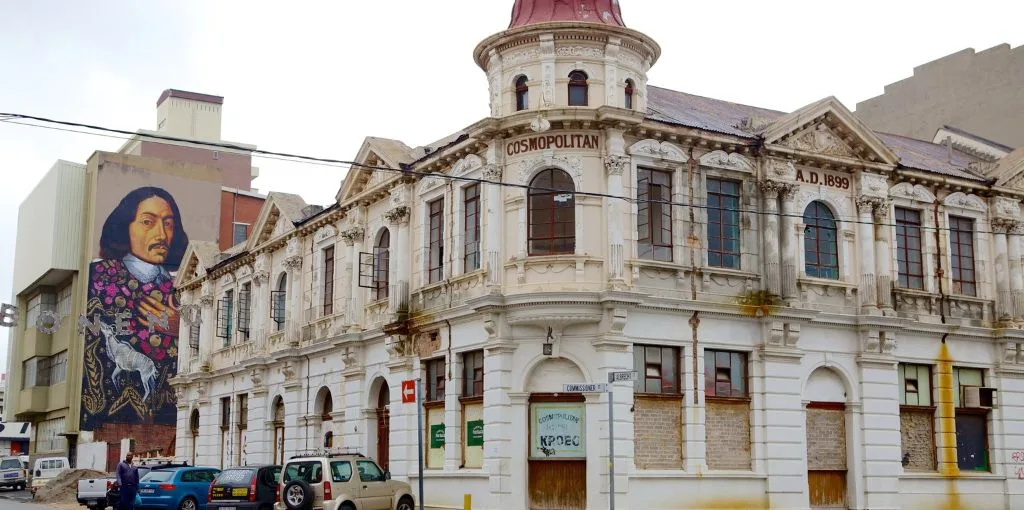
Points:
x=866 y=238
x=353 y=238
x=784 y=417
x=788 y=245
x=1016 y=273
x=880 y=419
x=615 y=165
x=883 y=256
x=1004 y=301
x=353 y=376
x=498 y=425
x=494 y=218
x=770 y=194
x=400 y=258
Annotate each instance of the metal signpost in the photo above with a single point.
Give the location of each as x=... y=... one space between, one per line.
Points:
x=613 y=377
x=419 y=424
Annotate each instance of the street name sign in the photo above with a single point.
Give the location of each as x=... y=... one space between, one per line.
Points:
x=585 y=387
x=628 y=376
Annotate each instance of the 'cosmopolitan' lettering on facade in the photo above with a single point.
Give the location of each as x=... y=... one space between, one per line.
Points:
x=48 y=321
x=559 y=141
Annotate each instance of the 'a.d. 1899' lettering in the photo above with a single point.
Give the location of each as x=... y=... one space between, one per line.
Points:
x=812 y=177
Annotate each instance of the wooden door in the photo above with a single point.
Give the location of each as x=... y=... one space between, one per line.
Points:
x=827 y=489
x=557 y=465
x=384 y=427
x=279 y=444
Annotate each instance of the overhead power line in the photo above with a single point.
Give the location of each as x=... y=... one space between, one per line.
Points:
x=338 y=163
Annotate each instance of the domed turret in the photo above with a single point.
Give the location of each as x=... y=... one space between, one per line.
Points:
x=531 y=12
x=566 y=54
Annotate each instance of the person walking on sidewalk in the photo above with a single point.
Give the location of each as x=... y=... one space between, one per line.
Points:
x=128 y=480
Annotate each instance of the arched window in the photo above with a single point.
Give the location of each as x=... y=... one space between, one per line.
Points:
x=821 y=246
x=577 y=88
x=279 y=300
x=522 y=94
x=381 y=258
x=629 y=94
x=552 y=213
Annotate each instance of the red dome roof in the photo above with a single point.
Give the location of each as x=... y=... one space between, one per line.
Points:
x=530 y=12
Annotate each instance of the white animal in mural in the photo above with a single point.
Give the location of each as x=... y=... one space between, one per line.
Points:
x=128 y=359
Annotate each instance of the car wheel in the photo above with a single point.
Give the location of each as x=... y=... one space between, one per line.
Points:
x=348 y=506
x=405 y=504
x=188 y=504
x=297 y=495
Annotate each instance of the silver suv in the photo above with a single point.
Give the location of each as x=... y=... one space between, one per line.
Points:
x=340 y=481
x=13 y=473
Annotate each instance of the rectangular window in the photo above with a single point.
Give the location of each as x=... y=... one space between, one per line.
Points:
x=971 y=421
x=239 y=233
x=58 y=367
x=908 y=248
x=193 y=338
x=225 y=412
x=725 y=374
x=43 y=302
x=244 y=311
x=915 y=384
x=49 y=436
x=657 y=369
x=917 y=417
x=723 y=223
x=473 y=374
x=435 y=380
x=435 y=236
x=328 y=280
x=471 y=227
x=277 y=303
x=961 y=255
x=654 y=214
x=224 y=317
x=64 y=301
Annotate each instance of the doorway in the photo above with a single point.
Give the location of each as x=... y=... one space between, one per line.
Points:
x=827 y=472
x=383 y=425
x=278 y=431
x=557 y=462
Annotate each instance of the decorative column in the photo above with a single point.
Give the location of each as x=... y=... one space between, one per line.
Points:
x=293 y=308
x=883 y=256
x=787 y=192
x=1016 y=272
x=500 y=426
x=770 y=191
x=615 y=165
x=208 y=325
x=400 y=259
x=353 y=238
x=1004 y=309
x=878 y=422
x=493 y=222
x=261 y=296
x=866 y=235
x=259 y=437
x=778 y=363
x=354 y=401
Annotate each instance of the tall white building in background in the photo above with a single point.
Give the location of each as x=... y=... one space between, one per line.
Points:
x=818 y=314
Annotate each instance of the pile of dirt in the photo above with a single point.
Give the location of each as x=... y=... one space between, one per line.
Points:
x=64 y=487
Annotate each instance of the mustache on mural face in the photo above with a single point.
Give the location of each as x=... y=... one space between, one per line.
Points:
x=158 y=245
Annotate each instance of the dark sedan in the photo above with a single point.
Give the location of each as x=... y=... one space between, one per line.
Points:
x=245 y=488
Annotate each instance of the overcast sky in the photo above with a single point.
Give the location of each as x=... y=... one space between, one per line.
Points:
x=315 y=78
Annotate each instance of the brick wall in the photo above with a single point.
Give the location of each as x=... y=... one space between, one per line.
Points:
x=147 y=437
x=917 y=434
x=658 y=433
x=826 y=439
x=727 y=429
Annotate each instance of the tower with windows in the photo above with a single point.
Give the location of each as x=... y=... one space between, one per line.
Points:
x=555 y=55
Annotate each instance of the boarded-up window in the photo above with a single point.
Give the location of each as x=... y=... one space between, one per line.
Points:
x=433 y=408
x=917 y=417
x=658 y=406
x=971 y=421
x=727 y=410
x=472 y=401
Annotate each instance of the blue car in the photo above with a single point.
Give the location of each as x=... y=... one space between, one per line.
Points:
x=178 y=488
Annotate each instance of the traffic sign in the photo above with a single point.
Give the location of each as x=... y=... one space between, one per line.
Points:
x=628 y=376
x=408 y=391
x=585 y=387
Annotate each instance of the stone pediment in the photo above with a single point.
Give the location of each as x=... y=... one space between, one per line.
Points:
x=827 y=129
x=374 y=159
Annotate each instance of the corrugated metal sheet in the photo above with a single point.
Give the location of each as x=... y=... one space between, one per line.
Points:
x=680 y=108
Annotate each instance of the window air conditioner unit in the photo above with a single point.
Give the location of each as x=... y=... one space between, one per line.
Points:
x=979 y=397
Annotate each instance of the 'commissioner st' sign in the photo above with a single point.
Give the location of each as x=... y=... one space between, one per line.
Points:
x=553 y=141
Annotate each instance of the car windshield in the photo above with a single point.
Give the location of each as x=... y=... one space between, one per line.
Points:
x=10 y=464
x=235 y=476
x=157 y=476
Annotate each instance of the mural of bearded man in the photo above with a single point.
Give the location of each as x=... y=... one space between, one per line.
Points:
x=126 y=368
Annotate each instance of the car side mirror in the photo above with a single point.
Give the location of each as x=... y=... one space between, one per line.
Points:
x=387 y=475
x=39 y=472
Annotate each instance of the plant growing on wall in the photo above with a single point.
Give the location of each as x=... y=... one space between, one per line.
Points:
x=760 y=303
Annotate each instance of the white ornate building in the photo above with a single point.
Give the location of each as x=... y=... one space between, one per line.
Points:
x=817 y=313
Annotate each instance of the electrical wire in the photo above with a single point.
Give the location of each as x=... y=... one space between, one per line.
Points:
x=336 y=163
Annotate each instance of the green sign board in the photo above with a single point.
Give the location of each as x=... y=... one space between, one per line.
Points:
x=475 y=433
x=437 y=436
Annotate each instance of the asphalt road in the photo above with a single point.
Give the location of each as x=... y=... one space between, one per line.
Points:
x=18 y=500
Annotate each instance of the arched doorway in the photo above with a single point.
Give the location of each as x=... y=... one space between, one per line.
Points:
x=826 y=439
x=193 y=427
x=557 y=445
x=383 y=425
x=278 y=417
x=324 y=408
